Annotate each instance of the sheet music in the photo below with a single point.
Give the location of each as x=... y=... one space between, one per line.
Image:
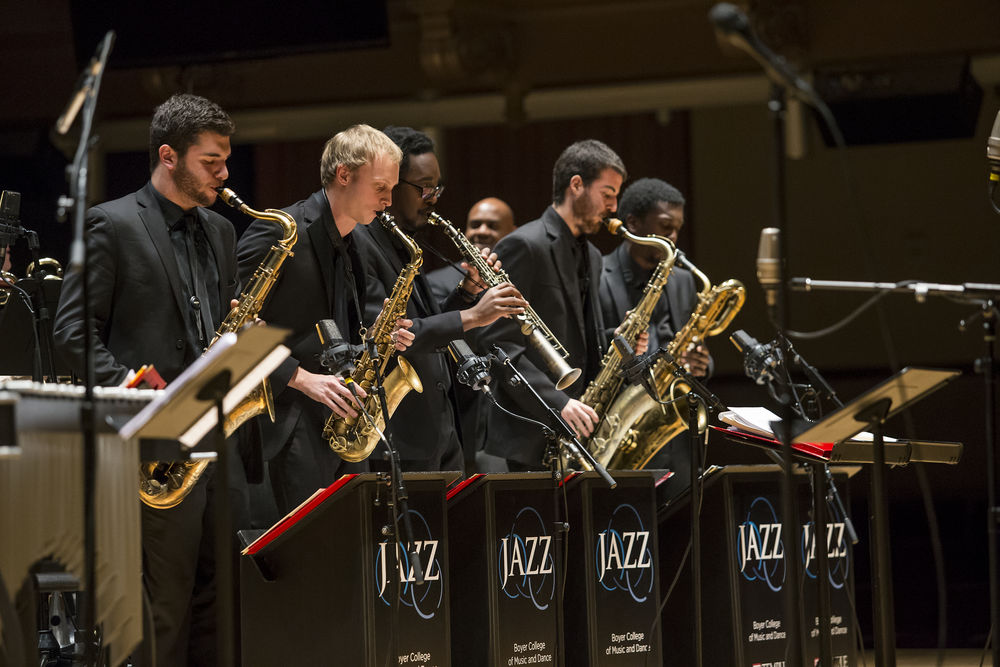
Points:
x=757 y=420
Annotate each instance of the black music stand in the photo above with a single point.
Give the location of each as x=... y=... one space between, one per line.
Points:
x=195 y=403
x=871 y=410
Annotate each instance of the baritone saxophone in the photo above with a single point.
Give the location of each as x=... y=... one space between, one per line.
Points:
x=353 y=438
x=607 y=384
x=164 y=484
x=644 y=425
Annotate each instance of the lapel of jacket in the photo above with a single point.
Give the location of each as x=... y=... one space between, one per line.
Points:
x=562 y=257
x=156 y=227
x=322 y=246
x=617 y=283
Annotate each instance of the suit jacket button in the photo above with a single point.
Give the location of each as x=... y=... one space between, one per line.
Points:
x=179 y=344
x=440 y=386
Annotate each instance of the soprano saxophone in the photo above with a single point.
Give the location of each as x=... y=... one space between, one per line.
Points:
x=539 y=336
x=164 y=484
x=607 y=385
x=353 y=438
x=646 y=426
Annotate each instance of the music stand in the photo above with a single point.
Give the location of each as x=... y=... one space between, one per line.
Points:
x=193 y=404
x=871 y=410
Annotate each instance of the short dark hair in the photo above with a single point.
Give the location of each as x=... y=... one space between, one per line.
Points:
x=178 y=122
x=642 y=196
x=588 y=158
x=410 y=141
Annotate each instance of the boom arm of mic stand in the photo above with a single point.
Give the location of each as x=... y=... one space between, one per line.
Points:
x=572 y=445
x=397 y=474
x=703 y=391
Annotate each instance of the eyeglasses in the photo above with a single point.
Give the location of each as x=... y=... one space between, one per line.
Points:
x=426 y=191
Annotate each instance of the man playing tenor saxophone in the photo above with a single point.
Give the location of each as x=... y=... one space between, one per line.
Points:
x=323 y=280
x=162 y=275
x=557 y=269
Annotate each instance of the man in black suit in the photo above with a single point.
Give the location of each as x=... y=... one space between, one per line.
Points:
x=424 y=426
x=652 y=206
x=558 y=271
x=162 y=272
x=324 y=280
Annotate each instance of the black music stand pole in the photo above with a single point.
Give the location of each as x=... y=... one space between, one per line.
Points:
x=697 y=465
x=987 y=366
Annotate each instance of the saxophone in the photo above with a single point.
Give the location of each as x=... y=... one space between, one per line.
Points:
x=353 y=439
x=643 y=426
x=607 y=384
x=539 y=336
x=164 y=484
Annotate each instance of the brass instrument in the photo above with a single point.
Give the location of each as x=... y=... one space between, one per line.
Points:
x=353 y=438
x=7 y=280
x=164 y=484
x=539 y=336
x=644 y=426
x=53 y=269
x=607 y=384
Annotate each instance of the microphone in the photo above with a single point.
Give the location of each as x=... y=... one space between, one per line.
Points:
x=84 y=83
x=338 y=354
x=634 y=369
x=472 y=371
x=759 y=361
x=732 y=25
x=769 y=264
x=993 y=150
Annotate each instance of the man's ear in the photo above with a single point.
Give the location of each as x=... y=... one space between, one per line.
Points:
x=576 y=184
x=168 y=156
x=343 y=175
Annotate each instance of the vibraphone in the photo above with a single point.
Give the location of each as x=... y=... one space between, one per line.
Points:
x=42 y=502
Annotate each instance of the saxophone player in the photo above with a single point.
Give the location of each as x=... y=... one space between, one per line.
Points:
x=162 y=276
x=323 y=280
x=652 y=206
x=558 y=270
x=425 y=428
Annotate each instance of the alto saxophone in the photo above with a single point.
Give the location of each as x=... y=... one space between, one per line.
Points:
x=607 y=384
x=353 y=439
x=646 y=426
x=164 y=484
x=539 y=336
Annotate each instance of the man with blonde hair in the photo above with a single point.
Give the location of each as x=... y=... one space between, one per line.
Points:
x=323 y=280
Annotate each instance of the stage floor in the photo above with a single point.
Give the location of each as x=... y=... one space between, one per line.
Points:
x=928 y=658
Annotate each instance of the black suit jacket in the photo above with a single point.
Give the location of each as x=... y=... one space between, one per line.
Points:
x=308 y=287
x=677 y=301
x=136 y=290
x=539 y=259
x=424 y=425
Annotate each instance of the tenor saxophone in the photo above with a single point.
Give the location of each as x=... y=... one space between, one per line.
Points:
x=607 y=384
x=539 y=336
x=164 y=484
x=353 y=438
x=644 y=425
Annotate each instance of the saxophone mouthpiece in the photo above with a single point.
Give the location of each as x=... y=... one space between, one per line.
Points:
x=613 y=225
x=230 y=197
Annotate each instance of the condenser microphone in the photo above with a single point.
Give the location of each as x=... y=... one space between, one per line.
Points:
x=759 y=361
x=993 y=150
x=769 y=264
x=84 y=83
x=733 y=26
x=471 y=370
x=338 y=354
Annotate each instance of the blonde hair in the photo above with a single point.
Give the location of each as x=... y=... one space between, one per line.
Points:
x=354 y=147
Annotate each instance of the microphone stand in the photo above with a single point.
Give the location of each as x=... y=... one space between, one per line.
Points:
x=40 y=318
x=779 y=314
x=400 y=496
x=567 y=439
x=77 y=176
x=986 y=296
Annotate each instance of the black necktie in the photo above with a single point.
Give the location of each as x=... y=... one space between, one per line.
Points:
x=199 y=300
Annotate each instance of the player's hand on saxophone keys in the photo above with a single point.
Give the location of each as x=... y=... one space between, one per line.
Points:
x=503 y=300
x=329 y=390
x=580 y=417
x=473 y=283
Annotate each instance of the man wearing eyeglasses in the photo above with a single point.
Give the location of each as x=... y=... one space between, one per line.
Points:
x=424 y=427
